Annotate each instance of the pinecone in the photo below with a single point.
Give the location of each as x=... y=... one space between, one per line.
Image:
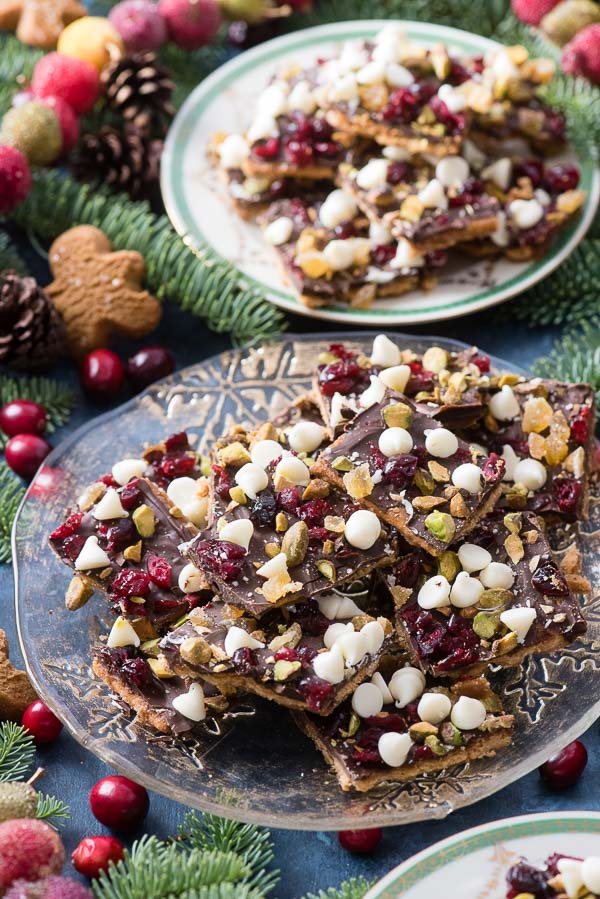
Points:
x=32 y=331
x=139 y=87
x=128 y=160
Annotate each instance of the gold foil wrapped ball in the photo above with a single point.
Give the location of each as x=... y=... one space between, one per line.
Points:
x=93 y=39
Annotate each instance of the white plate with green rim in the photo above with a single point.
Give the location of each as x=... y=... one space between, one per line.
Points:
x=196 y=198
x=476 y=861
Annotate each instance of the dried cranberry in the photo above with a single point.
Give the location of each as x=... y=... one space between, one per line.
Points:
x=222 y=558
x=529 y=168
x=311 y=619
x=299 y=152
x=318 y=536
x=177 y=466
x=422 y=752
x=436 y=258
x=567 y=492
x=345 y=230
x=388 y=723
x=129 y=583
x=478 y=64
x=108 y=480
x=400 y=470
x=268 y=149
x=579 y=426
x=397 y=172
x=339 y=350
x=164 y=606
x=177 y=441
x=316 y=692
x=321 y=129
x=129 y=608
x=418 y=381
x=300 y=126
x=159 y=570
x=131 y=495
x=366 y=756
x=558 y=178
x=285 y=654
x=482 y=362
x=68 y=527
x=222 y=481
x=329 y=149
x=288 y=499
x=264 y=509
x=408 y=570
x=305 y=655
x=454 y=121
x=73 y=546
x=377 y=461
x=383 y=253
x=549 y=580
x=244 y=660
x=458 y=74
x=555 y=123
x=493 y=468
x=138 y=672
x=339 y=377
x=403 y=105
x=297 y=210
x=313 y=512
x=553 y=860
x=349 y=509
x=469 y=193
x=524 y=878
x=121 y=535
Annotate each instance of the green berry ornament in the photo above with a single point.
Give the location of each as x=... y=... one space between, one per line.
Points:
x=17 y=800
x=34 y=130
x=569 y=17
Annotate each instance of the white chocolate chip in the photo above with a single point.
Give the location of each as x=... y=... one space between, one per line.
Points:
x=273 y=101
x=383 y=688
x=466 y=590
x=542 y=196
x=91 y=556
x=109 y=507
x=406 y=256
x=329 y=665
x=335 y=631
x=396 y=154
x=433 y=195
x=374 y=635
x=497 y=575
x=252 y=479
x=530 y=473
x=452 y=171
x=385 y=352
x=526 y=213
x=338 y=207
x=279 y=231
x=306 y=436
x=363 y=529
x=122 y=634
x=276 y=565
x=367 y=700
x=191 y=496
x=238 y=638
x=504 y=405
x=590 y=872
x=302 y=98
x=468 y=713
x=190 y=579
x=519 y=621
x=266 y=451
x=406 y=685
x=510 y=460
x=473 y=557
x=468 y=477
x=239 y=531
x=374 y=393
x=372 y=73
x=336 y=607
x=433 y=707
x=500 y=172
x=435 y=593
x=395 y=442
x=396 y=377
x=191 y=704
x=373 y=174
x=571 y=873
x=293 y=470
x=454 y=99
x=397 y=75
x=394 y=748
x=441 y=443
x=501 y=236
x=353 y=646
x=473 y=154
x=339 y=255
x=380 y=235
x=234 y=151
x=343 y=89
x=127 y=469
x=263 y=127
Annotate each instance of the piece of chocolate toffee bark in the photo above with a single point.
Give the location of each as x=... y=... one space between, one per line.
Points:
x=168 y=703
x=398 y=462
x=308 y=656
x=280 y=535
x=330 y=254
x=559 y=877
x=544 y=431
x=347 y=382
x=123 y=541
x=400 y=725
x=494 y=598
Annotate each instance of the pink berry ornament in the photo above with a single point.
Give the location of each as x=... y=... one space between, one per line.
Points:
x=29 y=850
x=532 y=11
x=119 y=803
x=566 y=767
x=23 y=417
x=42 y=724
x=191 y=23
x=140 y=24
x=361 y=842
x=24 y=453
x=50 y=888
x=581 y=56
x=15 y=178
x=73 y=80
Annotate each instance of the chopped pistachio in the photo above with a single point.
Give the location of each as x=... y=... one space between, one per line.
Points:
x=342 y=463
x=516 y=496
x=449 y=565
x=513 y=522
x=295 y=543
x=196 y=651
x=328 y=547
x=514 y=547
x=353 y=726
x=281 y=522
x=422 y=729
x=495 y=598
x=424 y=481
x=237 y=495
x=485 y=625
x=316 y=488
x=441 y=526
x=435 y=745
x=271 y=550
x=427 y=503
x=160 y=667
x=450 y=734
x=411 y=209
x=284 y=669
x=175 y=512
x=327 y=569
x=290 y=637
x=398 y=415
x=144 y=521
x=505 y=644
x=78 y=593
x=326 y=358
x=435 y=359
x=205 y=467
x=234 y=454
x=335 y=523
x=150 y=647
x=438 y=472
x=133 y=553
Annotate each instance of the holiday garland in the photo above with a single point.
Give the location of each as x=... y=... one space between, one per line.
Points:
x=12 y=492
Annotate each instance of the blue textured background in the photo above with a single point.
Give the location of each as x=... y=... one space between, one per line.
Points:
x=308 y=861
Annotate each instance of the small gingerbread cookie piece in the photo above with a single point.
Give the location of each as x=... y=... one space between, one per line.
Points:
x=39 y=23
x=98 y=291
x=16 y=692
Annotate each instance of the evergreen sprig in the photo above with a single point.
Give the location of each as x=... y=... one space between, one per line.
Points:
x=49 y=809
x=17 y=751
x=574 y=357
x=12 y=492
x=355 y=888
x=9 y=257
x=197 y=280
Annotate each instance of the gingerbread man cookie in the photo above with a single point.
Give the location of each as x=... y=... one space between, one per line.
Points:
x=97 y=291
x=16 y=692
x=39 y=23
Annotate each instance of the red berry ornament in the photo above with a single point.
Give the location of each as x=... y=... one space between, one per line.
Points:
x=15 y=178
x=93 y=855
x=102 y=374
x=119 y=803
x=148 y=365
x=581 y=55
x=25 y=453
x=67 y=122
x=29 y=850
x=73 y=80
x=191 y=23
x=42 y=724
x=23 y=417
x=140 y=24
x=360 y=841
x=566 y=767
x=532 y=11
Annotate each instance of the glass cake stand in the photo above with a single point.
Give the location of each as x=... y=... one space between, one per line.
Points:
x=256 y=766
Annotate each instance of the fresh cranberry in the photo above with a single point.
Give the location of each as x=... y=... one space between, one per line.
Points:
x=264 y=509
x=383 y=253
x=285 y=654
x=23 y=417
x=316 y=692
x=567 y=492
x=345 y=230
x=529 y=168
x=222 y=481
x=397 y=172
x=119 y=803
x=288 y=499
x=222 y=558
x=360 y=841
x=131 y=495
x=339 y=377
x=94 y=854
x=130 y=583
x=493 y=468
x=482 y=362
x=42 y=724
x=400 y=470
x=148 y=365
x=72 y=546
x=268 y=149
x=299 y=152
x=68 y=527
x=566 y=767
x=244 y=660
x=313 y=512
x=524 y=878
x=24 y=453
x=138 y=672
x=120 y=535
x=102 y=375
x=549 y=580
x=159 y=570
x=558 y=178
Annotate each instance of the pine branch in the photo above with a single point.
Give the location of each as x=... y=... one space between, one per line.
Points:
x=355 y=888
x=9 y=258
x=575 y=357
x=16 y=61
x=57 y=399
x=198 y=281
x=252 y=844
x=17 y=751
x=49 y=808
x=12 y=492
